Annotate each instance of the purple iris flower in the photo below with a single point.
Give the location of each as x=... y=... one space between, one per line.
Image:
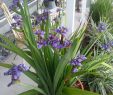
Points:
x=45 y=15
x=52 y=37
x=111 y=43
x=102 y=27
x=106 y=47
x=54 y=41
x=14 y=5
x=14 y=25
x=57 y=44
x=61 y=30
x=41 y=43
x=82 y=57
x=38 y=19
x=75 y=70
x=15 y=2
x=67 y=43
x=77 y=61
x=16 y=18
x=17 y=21
x=15 y=72
x=23 y=67
x=40 y=33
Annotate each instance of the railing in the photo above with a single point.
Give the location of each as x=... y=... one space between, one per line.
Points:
x=4 y=26
x=4 y=53
x=8 y=3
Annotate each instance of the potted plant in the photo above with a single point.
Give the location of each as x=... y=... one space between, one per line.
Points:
x=50 y=4
x=57 y=61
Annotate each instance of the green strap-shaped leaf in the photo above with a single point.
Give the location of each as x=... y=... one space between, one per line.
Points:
x=76 y=91
x=29 y=92
x=39 y=90
x=15 y=49
x=32 y=76
x=107 y=65
x=5 y=65
x=70 y=54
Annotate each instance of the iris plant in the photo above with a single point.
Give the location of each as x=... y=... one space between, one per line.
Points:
x=49 y=53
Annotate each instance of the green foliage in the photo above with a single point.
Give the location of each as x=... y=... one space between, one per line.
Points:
x=101 y=8
x=75 y=91
x=52 y=71
x=98 y=78
x=29 y=92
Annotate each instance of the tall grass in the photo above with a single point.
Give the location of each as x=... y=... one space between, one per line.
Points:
x=101 y=8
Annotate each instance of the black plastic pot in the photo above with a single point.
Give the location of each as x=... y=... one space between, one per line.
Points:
x=49 y=4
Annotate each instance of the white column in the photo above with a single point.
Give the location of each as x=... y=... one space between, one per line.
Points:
x=84 y=2
x=70 y=16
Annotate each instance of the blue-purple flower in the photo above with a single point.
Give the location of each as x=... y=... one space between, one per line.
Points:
x=77 y=62
x=106 y=47
x=42 y=17
x=40 y=33
x=45 y=15
x=41 y=43
x=16 y=18
x=56 y=42
x=67 y=43
x=14 y=5
x=111 y=43
x=17 y=22
x=61 y=30
x=23 y=67
x=15 y=72
x=15 y=2
x=102 y=27
x=75 y=70
x=52 y=40
x=14 y=25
